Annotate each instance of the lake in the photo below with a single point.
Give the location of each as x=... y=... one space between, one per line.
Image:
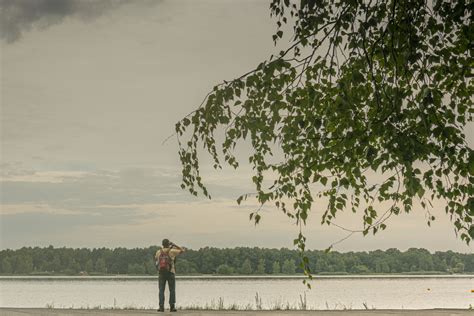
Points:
x=357 y=292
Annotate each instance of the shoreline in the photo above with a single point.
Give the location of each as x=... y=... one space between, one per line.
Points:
x=387 y=312
x=235 y=277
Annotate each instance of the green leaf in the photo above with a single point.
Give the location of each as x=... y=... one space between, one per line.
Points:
x=470 y=206
x=257 y=219
x=471 y=164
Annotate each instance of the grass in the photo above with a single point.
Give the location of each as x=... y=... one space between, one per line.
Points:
x=220 y=305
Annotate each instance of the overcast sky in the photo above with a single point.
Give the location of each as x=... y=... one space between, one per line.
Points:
x=89 y=91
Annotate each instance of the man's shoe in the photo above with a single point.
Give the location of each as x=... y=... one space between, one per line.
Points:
x=161 y=309
x=173 y=309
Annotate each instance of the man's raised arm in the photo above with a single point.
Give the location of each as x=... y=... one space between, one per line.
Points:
x=176 y=247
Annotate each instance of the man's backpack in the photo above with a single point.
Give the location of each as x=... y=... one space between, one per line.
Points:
x=163 y=263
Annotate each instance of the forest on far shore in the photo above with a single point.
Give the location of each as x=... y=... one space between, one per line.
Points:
x=229 y=261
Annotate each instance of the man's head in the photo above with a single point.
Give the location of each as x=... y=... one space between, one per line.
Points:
x=165 y=243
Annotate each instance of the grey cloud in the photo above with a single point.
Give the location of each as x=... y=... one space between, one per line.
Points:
x=19 y=16
x=43 y=221
x=129 y=186
x=13 y=169
x=102 y=187
x=16 y=227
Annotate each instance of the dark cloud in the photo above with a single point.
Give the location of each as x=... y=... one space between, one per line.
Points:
x=19 y=16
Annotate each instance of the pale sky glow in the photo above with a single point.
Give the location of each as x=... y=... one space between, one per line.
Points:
x=88 y=94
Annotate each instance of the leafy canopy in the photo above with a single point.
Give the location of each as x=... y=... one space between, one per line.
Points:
x=380 y=87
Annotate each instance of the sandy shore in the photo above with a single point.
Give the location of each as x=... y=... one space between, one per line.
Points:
x=91 y=312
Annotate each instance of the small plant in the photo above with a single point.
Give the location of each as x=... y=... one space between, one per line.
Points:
x=233 y=307
x=303 y=305
x=220 y=304
x=276 y=307
x=258 y=302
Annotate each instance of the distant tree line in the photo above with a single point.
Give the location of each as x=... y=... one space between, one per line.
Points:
x=243 y=261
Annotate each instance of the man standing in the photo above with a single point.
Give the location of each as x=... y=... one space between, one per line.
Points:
x=165 y=263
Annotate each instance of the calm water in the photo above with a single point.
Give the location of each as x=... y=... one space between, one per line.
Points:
x=327 y=292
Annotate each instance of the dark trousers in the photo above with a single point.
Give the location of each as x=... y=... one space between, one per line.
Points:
x=166 y=276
